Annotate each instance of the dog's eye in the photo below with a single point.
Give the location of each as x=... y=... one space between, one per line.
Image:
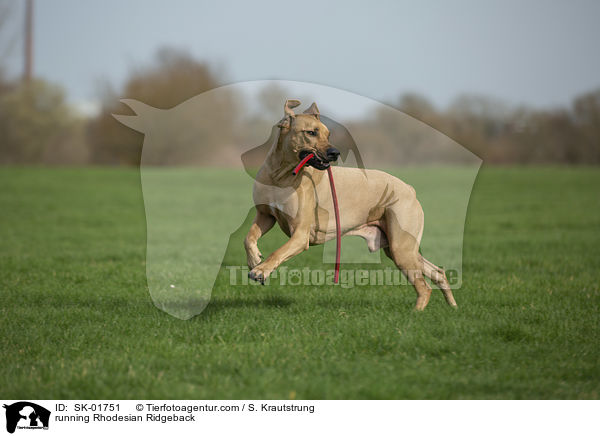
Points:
x=311 y=132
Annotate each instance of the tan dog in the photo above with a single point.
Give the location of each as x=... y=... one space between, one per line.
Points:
x=374 y=205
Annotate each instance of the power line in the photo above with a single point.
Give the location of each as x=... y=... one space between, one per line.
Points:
x=28 y=68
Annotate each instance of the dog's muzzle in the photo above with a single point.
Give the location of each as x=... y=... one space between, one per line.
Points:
x=332 y=154
x=319 y=162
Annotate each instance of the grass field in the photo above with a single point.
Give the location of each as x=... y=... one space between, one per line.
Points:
x=76 y=320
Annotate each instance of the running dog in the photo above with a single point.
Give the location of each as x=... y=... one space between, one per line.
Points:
x=380 y=208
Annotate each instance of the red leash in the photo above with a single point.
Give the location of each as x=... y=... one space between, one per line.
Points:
x=338 y=231
x=302 y=163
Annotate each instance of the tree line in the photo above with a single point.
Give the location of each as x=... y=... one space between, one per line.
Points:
x=37 y=126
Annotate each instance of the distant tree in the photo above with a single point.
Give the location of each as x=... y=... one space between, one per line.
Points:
x=586 y=109
x=172 y=78
x=417 y=106
x=271 y=99
x=34 y=122
x=476 y=121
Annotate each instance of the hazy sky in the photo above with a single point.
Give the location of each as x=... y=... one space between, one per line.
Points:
x=535 y=52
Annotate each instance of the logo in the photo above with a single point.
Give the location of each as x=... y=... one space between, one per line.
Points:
x=192 y=233
x=26 y=415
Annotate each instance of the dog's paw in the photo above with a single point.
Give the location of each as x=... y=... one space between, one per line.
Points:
x=260 y=273
x=254 y=259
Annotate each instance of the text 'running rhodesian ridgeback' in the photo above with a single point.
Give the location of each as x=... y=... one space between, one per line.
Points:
x=374 y=205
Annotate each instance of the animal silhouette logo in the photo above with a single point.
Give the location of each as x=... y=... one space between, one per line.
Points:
x=198 y=166
x=26 y=415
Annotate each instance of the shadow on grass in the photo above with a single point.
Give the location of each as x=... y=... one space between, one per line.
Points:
x=341 y=302
x=219 y=303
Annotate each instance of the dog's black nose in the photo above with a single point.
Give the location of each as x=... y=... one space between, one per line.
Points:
x=332 y=154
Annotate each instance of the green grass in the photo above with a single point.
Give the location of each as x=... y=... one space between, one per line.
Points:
x=76 y=320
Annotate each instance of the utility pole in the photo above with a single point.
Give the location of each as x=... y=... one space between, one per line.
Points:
x=27 y=72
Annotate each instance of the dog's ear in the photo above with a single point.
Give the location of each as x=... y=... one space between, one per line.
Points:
x=313 y=110
x=289 y=105
x=286 y=122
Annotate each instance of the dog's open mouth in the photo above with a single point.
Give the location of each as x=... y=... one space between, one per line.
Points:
x=316 y=161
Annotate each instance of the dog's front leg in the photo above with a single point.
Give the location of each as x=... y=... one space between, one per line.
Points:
x=263 y=222
x=294 y=246
x=300 y=236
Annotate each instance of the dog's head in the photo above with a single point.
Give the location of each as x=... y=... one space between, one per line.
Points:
x=302 y=134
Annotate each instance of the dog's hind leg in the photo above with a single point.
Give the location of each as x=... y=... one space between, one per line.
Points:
x=438 y=276
x=410 y=266
x=403 y=249
x=262 y=224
